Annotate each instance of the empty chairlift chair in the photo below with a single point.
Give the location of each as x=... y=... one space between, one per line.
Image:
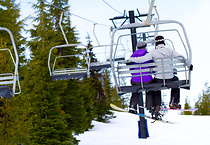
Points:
x=59 y=67
x=10 y=80
x=75 y=70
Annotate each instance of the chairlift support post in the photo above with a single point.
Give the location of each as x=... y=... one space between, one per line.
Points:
x=133 y=31
x=142 y=121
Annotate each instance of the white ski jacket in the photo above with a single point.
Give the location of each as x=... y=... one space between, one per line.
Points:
x=160 y=52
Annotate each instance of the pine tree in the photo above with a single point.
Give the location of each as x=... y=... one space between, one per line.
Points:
x=10 y=15
x=100 y=84
x=45 y=117
x=109 y=93
x=187 y=106
x=118 y=100
x=78 y=105
x=203 y=103
x=77 y=99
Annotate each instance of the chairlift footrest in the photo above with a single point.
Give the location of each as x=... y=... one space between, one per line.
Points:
x=69 y=76
x=96 y=67
x=155 y=86
x=5 y=92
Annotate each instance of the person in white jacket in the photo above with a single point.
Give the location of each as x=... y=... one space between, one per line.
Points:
x=162 y=52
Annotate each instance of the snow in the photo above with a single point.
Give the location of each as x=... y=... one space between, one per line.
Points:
x=123 y=130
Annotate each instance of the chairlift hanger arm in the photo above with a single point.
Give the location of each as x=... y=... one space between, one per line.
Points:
x=62 y=28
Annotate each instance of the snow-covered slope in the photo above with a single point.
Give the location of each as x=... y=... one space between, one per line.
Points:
x=123 y=130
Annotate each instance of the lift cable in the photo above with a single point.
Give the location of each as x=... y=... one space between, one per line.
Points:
x=112 y=7
x=77 y=15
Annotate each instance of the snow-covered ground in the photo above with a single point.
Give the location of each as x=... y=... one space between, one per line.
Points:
x=123 y=130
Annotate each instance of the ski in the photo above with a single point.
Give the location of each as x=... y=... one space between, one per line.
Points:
x=139 y=114
x=190 y=110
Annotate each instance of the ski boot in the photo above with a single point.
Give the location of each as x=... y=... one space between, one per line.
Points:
x=152 y=111
x=174 y=105
x=155 y=112
x=133 y=109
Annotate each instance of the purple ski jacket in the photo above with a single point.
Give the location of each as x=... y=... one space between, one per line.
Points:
x=147 y=78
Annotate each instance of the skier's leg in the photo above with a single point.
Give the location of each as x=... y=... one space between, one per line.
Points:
x=134 y=100
x=149 y=100
x=175 y=95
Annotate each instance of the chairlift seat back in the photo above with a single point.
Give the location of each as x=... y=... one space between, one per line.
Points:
x=5 y=91
x=173 y=66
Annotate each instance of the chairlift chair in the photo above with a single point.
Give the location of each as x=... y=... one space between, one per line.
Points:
x=7 y=79
x=67 y=72
x=122 y=71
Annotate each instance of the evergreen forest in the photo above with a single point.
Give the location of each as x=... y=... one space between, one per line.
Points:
x=49 y=112
x=54 y=112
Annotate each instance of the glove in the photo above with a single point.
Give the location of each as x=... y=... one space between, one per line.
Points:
x=128 y=62
x=191 y=67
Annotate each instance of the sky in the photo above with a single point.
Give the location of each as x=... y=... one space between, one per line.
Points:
x=123 y=130
x=193 y=14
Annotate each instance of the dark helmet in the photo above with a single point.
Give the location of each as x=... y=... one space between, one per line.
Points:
x=141 y=44
x=159 y=40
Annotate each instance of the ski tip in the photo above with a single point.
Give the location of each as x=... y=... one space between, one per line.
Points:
x=118 y=108
x=112 y=105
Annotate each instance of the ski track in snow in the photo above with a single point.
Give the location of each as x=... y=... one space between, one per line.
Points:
x=123 y=130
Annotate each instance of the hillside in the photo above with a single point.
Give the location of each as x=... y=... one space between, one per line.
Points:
x=189 y=130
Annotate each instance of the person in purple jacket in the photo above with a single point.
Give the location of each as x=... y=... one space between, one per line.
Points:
x=152 y=99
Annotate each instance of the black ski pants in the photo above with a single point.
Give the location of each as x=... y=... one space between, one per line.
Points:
x=134 y=100
x=175 y=92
